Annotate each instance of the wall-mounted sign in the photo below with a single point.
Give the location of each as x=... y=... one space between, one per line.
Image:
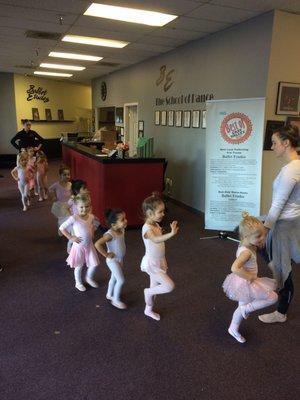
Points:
x=38 y=93
x=183 y=99
x=103 y=91
x=165 y=78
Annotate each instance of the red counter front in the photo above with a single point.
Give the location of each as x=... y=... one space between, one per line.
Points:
x=115 y=183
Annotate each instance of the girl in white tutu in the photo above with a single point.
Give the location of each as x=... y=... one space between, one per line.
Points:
x=79 y=229
x=243 y=285
x=154 y=261
x=61 y=192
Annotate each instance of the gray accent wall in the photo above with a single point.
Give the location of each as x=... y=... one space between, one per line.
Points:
x=229 y=64
x=8 y=126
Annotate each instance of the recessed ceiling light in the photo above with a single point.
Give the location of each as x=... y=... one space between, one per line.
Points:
x=62 y=66
x=126 y=14
x=94 y=41
x=74 y=56
x=53 y=74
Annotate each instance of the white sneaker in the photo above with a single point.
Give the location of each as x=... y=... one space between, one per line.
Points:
x=91 y=282
x=80 y=287
x=272 y=317
x=119 y=304
x=236 y=335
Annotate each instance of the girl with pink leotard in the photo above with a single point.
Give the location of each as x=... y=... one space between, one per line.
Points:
x=154 y=261
x=41 y=175
x=80 y=230
x=243 y=285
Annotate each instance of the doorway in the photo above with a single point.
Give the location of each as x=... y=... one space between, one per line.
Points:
x=131 y=127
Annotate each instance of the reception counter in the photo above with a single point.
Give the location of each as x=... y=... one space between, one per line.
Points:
x=115 y=183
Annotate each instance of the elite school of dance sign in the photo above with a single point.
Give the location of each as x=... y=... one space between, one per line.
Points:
x=234 y=145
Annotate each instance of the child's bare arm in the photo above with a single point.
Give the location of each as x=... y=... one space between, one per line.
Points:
x=100 y=246
x=14 y=174
x=70 y=237
x=238 y=266
x=151 y=234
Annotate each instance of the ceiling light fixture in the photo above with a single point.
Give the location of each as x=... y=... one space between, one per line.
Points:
x=62 y=66
x=72 y=56
x=126 y=14
x=94 y=41
x=53 y=74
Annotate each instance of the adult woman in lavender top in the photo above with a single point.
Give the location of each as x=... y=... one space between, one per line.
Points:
x=283 y=220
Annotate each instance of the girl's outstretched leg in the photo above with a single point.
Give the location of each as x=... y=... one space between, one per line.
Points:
x=115 y=284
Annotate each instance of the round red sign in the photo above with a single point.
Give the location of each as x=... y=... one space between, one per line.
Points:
x=236 y=128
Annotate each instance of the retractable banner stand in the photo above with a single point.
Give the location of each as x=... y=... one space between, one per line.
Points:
x=234 y=144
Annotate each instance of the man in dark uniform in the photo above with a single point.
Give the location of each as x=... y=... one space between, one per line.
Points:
x=27 y=138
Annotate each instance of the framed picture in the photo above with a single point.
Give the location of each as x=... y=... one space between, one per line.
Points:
x=178 y=118
x=60 y=115
x=196 y=119
x=164 y=118
x=48 y=114
x=157 y=118
x=186 y=119
x=141 y=126
x=35 y=114
x=203 y=119
x=288 y=98
x=171 y=118
x=119 y=115
x=271 y=127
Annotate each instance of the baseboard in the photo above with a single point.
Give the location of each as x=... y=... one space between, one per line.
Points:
x=185 y=206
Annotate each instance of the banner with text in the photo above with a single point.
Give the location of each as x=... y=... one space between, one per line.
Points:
x=234 y=144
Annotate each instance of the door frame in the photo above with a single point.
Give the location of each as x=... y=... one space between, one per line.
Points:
x=126 y=111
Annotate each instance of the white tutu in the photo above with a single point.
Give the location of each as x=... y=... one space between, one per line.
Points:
x=240 y=289
x=153 y=265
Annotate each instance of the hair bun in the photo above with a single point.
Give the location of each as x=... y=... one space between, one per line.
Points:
x=245 y=214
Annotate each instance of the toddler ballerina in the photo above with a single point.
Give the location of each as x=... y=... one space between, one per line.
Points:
x=114 y=254
x=154 y=261
x=41 y=175
x=243 y=285
x=31 y=164
x=21 y=175
x=61 y=192
x=82 y=251
x=78 y=186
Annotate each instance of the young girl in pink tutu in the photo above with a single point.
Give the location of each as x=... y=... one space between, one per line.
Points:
x=243 y=285
x=154 y=261
x=79 y=229
x=31 y=164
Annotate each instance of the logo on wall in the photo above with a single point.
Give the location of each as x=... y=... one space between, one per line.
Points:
x=39 y=93
x=103 y=91
x=165 y=78
x=236 y=128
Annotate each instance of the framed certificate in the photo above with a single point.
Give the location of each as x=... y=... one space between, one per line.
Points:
x=186 y=119
x=164 y=118
x=171 y=118
x=178 y=118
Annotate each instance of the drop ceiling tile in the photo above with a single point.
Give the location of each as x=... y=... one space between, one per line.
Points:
x=180 y=33
x=252 y=5
x=163 y=41
x=66 y=6
x=197 y=24
x=222 y=14
x=86 y=31
x=153 y=48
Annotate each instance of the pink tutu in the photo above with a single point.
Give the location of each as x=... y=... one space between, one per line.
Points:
x=240 y=289
x=80 y=255
x=153 y=265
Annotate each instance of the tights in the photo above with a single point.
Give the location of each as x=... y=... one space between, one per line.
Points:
x=159 y=283
x=116 y=280
x=78 y=274
x=253 y=306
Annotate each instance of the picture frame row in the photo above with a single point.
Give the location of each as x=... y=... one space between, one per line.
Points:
x=179 y=118
x=288 y=98
x=48 y=115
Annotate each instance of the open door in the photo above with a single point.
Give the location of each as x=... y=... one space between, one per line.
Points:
x=131 y=127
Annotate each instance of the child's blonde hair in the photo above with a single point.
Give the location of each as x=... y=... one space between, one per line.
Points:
x=151 y=203
x=249 y=225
